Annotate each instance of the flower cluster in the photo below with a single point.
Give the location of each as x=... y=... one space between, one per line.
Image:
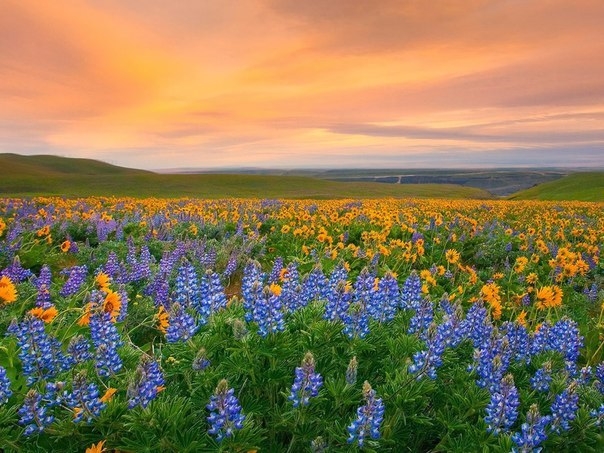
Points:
x=369 y=418
x=225 y=412
x=307 y=382
x=148 y=382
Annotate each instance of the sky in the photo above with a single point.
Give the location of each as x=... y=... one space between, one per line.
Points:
x=160 y=84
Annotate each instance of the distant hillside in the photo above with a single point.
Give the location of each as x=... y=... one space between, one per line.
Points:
x=49 y=175
x=577 y=186
x=44 y=165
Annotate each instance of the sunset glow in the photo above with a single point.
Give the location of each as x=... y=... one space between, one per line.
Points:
x=288 y=83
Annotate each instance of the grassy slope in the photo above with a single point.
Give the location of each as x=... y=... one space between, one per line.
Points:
x=577 y=186
x=49 y=175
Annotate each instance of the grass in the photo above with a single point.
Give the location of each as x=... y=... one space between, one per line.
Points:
x=587 y=186
x=49 y=175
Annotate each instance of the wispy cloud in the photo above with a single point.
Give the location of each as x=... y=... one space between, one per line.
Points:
x=276 y=82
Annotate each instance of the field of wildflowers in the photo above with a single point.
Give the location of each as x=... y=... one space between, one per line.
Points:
x=288 y=326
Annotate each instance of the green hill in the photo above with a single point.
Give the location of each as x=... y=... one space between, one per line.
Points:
x=50 y=175
x=577 y=186
x=46 y=166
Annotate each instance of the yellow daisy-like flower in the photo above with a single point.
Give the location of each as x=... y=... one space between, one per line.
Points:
x=96 y=448
x=65 y=246
x=452 y=256
x=108 y=395
x=45 y=315
x=549 y=297
x=103 y=280
x=8 y=292
x=112 y=304
x=162 y=319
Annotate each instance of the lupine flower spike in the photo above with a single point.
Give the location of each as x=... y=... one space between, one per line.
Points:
x=369 y=418
x=225 y=412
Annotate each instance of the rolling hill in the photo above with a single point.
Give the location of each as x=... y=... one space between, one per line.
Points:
x=587 y=186
x=50 y=175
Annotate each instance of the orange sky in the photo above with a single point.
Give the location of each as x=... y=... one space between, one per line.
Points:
x=313 y=83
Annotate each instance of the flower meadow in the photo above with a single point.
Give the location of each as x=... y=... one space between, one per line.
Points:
x=301 y=325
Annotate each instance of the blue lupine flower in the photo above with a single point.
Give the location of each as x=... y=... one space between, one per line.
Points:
x=306 y=383
x=338 y=302
x=564 y=337
x=16 y=272
x=542 y=378
x=182 y=325
x=186 y=287
x=427 y=361
x=75 y=280
x=106 y=340
x=477 y=325
x=518 y=340
x=231 y=266
x=592 y=292
x=42 y=284
x=40 y=354
x=598 y=414
x=502 y=410
x=351 y=371
x=313 y=285
x=386 y=299
x=291 y=289
x=112 y=267
x=268 y=314
x=251 y=287
x=356 y=320
x=424 y=314
x=212 y=291
x=599 y=377
x=564 y=408
x=369 y=418
x=148 y=382
x=201 y=361
x=5 y=391
x=79 y=349
x=338 y=274
x=412 y=292
x=533 y=432
x=275 y=273
x=225 y=412
x=33 y=414
x=83 y=399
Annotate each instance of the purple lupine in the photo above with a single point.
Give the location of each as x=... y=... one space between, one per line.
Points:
x=147 y=383
x=477 y=325
x=84 y=399
x=411 y=294
x=533 y=432
x=112 y=267
x=40 y=354
x=424 y=314
x=599 y=377
x=338 y=302
x=75 y=280
x=124 y=300
x=369 y=418
x=427 y=361
x=16 y=272
x=306 y=383
x=564 y=408
x=34 y=414
x=598 y=415
x=42 y=284
x=542 y=378
x=564 y=337
x=212 y=291
x=291 y=289
x=79 y=349
x=356 y=320
x=386 y=300
x=251 y=287
x=231 y=266
x=352 y=370
x=313 y=285
x=186 y=286
x=106 y=340
x=502 y=410
x=5 y=391
x=225 y=412
x=201 y=361
x=267 y=313
x=275 y=273
x=182 y=325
